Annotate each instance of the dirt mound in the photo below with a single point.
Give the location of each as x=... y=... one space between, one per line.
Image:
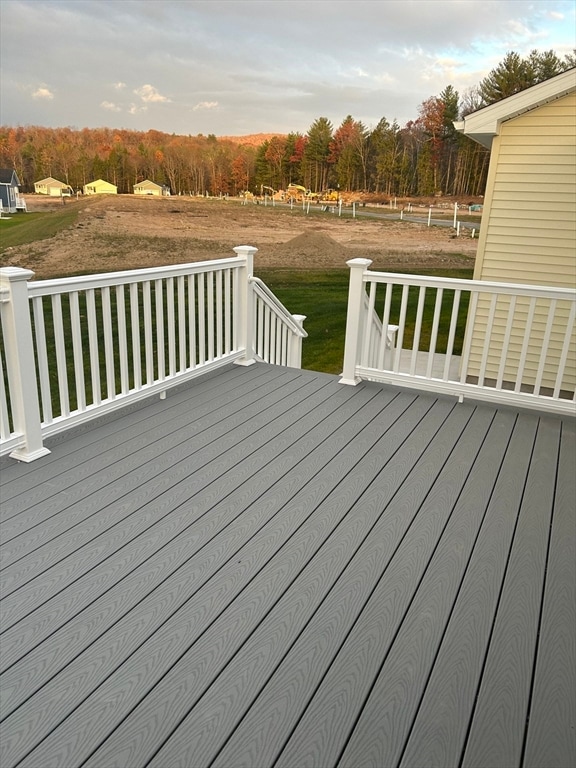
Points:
x=314 y=247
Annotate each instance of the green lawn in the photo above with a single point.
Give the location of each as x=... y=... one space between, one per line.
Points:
x=23 y=228
x=323 y=297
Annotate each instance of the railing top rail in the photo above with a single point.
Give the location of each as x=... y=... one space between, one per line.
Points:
x=125 y=277
x=262 y=289
x=481 y=286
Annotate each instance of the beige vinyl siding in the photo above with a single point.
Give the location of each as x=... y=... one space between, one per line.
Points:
x=148 y=191
x=148 y=187
x=531 y=197
x=100 y=187
x=529 y=235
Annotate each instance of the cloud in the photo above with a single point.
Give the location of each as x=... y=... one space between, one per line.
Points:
x=383 y=78
x=372 y=59
x=518 y=28
x=150 y=94
x=205 y=105
x=42 y=93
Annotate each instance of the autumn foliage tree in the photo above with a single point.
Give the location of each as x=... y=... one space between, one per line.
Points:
x=425 y=156
x=346 y=154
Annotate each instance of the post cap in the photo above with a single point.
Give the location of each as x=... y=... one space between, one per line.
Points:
x=359 y=262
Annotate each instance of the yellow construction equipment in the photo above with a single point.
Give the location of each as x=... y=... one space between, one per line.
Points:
x=298 y=193
x=329 y=196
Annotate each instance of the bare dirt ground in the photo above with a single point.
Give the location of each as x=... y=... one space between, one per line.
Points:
x=129 y=232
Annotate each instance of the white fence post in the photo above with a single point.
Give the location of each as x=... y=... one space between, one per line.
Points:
x=21 y=369
x=295 y=356
x=245 y=309
x=354 y=319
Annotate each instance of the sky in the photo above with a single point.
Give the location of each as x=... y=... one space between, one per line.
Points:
x=238 y=67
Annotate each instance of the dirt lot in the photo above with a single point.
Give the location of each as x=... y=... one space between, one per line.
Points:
x=128 y=232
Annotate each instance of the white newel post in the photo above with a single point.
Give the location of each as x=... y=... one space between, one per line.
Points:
x=245 y=309
x=19 y=349
x=354 y=319
x=295 y=357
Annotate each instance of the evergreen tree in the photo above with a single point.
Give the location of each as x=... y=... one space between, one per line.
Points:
x=387 y=158
x=450 y=138
x=317 y=152
x=515 y=74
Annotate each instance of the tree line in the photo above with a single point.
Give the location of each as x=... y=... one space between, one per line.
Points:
x=426 y=156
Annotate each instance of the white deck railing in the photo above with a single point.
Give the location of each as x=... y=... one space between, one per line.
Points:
x=278 y=337
x=76 y=348
x=491 y=341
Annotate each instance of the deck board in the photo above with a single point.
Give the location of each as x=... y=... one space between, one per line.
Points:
x=355 y=610
x=270 y=568
x=349 y=520
x=59 y=519
x=502 y=703
x=201 y=614
x=80 y=443
x=441 y=724
x=164 y=536
x=551 y=737
x=83 y=478
x=170 y=479
x=404 y=659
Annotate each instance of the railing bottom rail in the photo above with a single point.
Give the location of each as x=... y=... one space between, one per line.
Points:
x=504 y=396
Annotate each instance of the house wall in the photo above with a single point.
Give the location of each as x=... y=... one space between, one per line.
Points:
x=157 y=191
x=8 y=197
x=99 y=188
x=528 y=233
x=51 y=190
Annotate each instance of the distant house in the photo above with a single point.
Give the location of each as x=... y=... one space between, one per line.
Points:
x=10 y=191
x=528 y=232
x=52 y=187
x=148 y=187
x=100 y=187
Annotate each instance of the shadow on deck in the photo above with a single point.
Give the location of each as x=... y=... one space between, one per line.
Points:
x=269 y=568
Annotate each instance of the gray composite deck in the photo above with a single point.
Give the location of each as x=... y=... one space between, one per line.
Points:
x=268 y=568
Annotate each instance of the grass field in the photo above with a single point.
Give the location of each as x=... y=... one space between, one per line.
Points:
x=23 y=228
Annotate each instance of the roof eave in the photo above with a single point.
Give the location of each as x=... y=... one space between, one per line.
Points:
x=483 y=125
